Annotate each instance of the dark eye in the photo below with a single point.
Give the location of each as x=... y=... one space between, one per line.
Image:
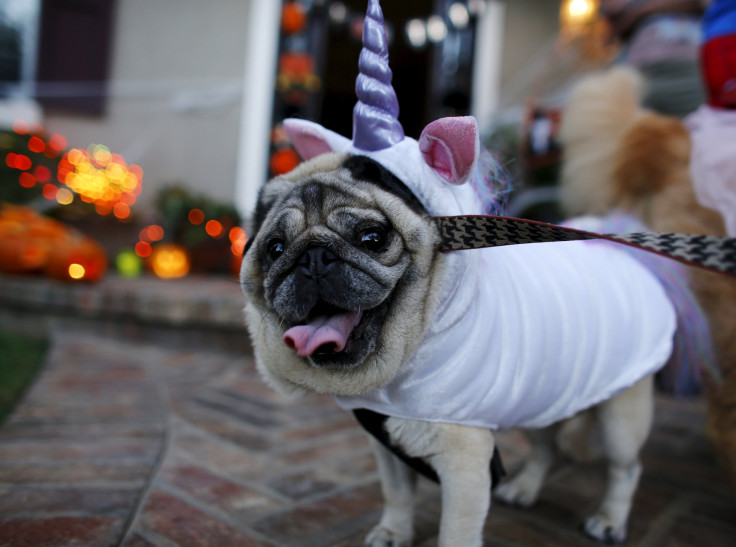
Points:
x=275 y=249
x=373 y=239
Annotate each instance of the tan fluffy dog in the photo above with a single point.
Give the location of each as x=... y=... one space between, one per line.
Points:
x=620 y=156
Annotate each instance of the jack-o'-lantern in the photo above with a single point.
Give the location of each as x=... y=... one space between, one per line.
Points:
x=78 y=258
x=22 y=254
x=32 y=243
x=169 y=261
x=26 y=239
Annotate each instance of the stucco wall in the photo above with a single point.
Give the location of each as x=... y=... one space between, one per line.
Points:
x=177 y=87
x=530 y=29
x=175 y=94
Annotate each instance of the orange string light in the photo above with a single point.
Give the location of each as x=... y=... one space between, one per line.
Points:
x=214 y=228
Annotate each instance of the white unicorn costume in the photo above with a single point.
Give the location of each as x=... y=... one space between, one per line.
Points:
x=524 y=335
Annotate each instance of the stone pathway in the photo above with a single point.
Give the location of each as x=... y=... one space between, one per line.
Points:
x=130 y=443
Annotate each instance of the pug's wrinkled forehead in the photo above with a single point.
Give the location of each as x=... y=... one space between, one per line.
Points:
x=331 y=181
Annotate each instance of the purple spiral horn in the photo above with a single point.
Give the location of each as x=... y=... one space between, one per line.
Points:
x=375 y=116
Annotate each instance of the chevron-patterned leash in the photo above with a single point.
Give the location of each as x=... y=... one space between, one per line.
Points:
x=713 y=253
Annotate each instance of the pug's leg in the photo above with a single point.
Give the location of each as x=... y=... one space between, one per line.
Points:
x=464 y=470
x=461 y=456
x=396 y=528
x=625 y=423
x=523 y=489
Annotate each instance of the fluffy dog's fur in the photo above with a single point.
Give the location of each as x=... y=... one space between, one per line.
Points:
x=620 y=156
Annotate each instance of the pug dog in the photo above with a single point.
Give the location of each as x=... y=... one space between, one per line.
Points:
x=346 y=295
x=349 y=293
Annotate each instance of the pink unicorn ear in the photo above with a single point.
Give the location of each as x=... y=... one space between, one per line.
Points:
x=307 y=140
x=311 y=139
x=450 y=146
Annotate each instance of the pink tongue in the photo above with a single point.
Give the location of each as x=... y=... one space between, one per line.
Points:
x=335 y=329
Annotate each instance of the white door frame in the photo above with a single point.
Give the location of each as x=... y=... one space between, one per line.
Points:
x=488 y=63
x=256 y=111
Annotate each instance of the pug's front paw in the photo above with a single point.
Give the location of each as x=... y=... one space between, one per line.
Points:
x=520 y=491
x=603 y=528
x=381 y=536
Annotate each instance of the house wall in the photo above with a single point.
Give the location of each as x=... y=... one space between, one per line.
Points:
x=175 y=94
x=178 y=82
x=530 y=30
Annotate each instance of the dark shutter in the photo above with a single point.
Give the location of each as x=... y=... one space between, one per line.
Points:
x=74 y=55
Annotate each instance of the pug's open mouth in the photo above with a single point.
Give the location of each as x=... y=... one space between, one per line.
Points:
x=333 y=336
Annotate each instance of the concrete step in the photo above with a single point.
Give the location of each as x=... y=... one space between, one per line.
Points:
x=195 y=311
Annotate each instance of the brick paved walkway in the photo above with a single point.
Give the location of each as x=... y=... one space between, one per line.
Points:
x=122 y=441
x=149 y=426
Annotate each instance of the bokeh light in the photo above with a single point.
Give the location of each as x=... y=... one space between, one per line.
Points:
x=76 y=271
x=155 y=232
x=21 y=127
x=49 y=191
x=196 y=216
x=459 y=15
x=102 y=178
x=27 y=180
x=103 y=209
x=436 y=28
x=36 y=144
x=97 y=175
x=214 y=228
x=416 y=32
x=576 y=15
x=64 y=196
x=282 y=161
x=42 y=173
x=579 y=8
x=169 y=261
x=57 y=143
x=143 y=249
x=128 y=264
x=238 y=239
x=18 y=161
x=121 y=210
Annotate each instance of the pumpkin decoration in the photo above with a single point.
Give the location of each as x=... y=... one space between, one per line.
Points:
x=169 y=261
x=23 y=254
x=77 y=257
x=33 y=243
x=25 y=239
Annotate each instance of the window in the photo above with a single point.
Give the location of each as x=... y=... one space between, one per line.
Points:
x=57 y=51
x=18 y=44
x=74 y=54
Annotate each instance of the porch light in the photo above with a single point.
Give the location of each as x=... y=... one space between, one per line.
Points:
x=416 y=33
x=169 y=261
x=575 y=15
x=436 y=28
x=459 y=15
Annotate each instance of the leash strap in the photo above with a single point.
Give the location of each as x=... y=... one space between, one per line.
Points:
x=713 y=253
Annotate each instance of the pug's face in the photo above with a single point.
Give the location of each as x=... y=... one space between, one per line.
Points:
x=338 y=277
